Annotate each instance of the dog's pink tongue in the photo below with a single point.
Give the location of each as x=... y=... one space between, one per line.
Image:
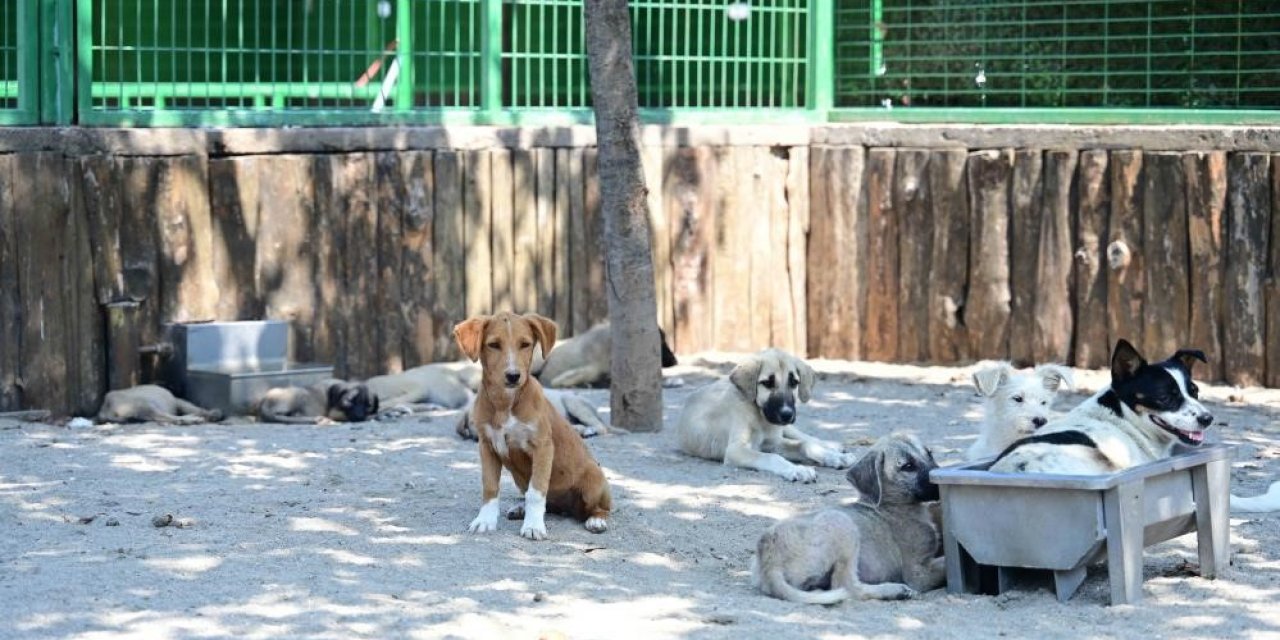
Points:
x=1196 y=436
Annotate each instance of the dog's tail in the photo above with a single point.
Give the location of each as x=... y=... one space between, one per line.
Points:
x=1269 y=501
x=773 y=583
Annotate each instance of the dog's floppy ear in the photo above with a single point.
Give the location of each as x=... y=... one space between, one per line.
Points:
x=744 y=376
x=469 y=334
x=806 y=379
x=334 y=396
x=544 y=329
x=668 y=356
x=865 y=475
x=988 y=379
x=1187 y=357
x=1055 y=377
x=1125 y=361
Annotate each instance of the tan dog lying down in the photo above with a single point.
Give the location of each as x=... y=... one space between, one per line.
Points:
x=449 y=385
x=584 y=360
x=581 y=415
x=520 y=430
x=328 y=401
x=748 y=419
x=152 y=403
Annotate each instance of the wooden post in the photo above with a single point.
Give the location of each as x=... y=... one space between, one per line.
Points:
x=1249 y=213
x=1027 y=198
x=797 y=197
x=547 y=224
x=448 y=260
x=502 y=241
x=731 y=252
x=390 y=197
x=11 y=307
x=1164 y=227
x=1092 y=349
x=526 y=260
x=417 y=272
x=948 y=274
x=477 y=177
x=1051 y=306
x=880 y=329
x=1272 y=282
x=688 y=186
x=987 y=311
x=234 y=207
x=123 y=344
x=913 y=205
x=836 y=267
x=1126 y=270
x=1206 y=178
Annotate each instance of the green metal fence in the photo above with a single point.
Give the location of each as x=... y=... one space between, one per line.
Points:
x=312 y=62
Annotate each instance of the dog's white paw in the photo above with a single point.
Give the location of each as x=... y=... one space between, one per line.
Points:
x=596 y=525
x=325 y=422
x=394 y=413
x=800 y=474
x=587 y=432
x=534 y=530
x=837 y=459
x=483 y=525
x=901 y=592
x=516 y=512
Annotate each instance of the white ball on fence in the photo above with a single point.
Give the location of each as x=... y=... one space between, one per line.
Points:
x=384 y=9
x=738 y=11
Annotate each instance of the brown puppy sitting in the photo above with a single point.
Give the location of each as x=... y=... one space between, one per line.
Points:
x=325 y=402
x=519 y=429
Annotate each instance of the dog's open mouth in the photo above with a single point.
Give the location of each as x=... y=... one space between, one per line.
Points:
x=1193 y=438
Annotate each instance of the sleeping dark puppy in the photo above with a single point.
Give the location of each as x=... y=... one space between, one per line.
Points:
x=327 y=401
x=584 y=360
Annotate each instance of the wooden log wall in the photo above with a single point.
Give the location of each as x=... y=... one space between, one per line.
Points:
x=944 y=255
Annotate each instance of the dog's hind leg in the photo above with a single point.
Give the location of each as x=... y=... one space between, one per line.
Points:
x=846 y=576
x=583 y=417
x=597 y=502
x=522 y=482
x=578 y=377
x=188 y=409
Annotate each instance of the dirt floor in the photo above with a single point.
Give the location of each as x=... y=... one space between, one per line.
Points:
x=359 y=531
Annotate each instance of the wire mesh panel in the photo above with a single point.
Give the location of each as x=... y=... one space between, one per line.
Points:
x=1049 y=53
x=18 y=51
x=688 y=53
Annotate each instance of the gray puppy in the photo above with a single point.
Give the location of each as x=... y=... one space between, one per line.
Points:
x=867 y=549
x=152 y=403
x=330 y=400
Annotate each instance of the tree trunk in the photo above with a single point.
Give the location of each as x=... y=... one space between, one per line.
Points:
x=635 y=372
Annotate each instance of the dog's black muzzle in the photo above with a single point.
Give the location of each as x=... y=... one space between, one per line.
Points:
x=925 y=490
x=780 y=408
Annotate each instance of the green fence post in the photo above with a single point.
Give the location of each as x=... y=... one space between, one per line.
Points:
x=83 y=75
x=821 y=81
x=28 y=63
x=58 y=61
x=491 y=60
x=404 y=54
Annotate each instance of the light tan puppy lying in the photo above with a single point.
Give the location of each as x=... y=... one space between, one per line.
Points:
x=865 y=550
x=449 y=385
x=581 y=415
x=152 y=403
x=748 y=419
x=584 y=360
x=327 y=401
x=521 y=431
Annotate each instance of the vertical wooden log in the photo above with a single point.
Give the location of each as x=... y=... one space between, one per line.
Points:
x=234 y=207
x=477 y=205
x=297 y=254
x=1091 y=345
x=797 y=200
x=730 y=254
x=689 y=196
x=1027 y=198
x=593 y=291
x=417 y=276
x=449 y=262
x=1272 y=283
x=501 y=190
x=568 y=163
x=659 y=237
x=40 y=211
x=948 y=272
x=139 y=248
x=837 y=257
x=1126 y=264
x=85 y=324
x=1248 y=237
x=880 y=329
x=526 y=258
x=189 y=289
x=102 y=199
x=912 y=203
x=1206 y=179
x=579 y=266
x=547 y=249
x=1051 y=306
x=391 y=194
x=11 y=307
x=122 y=344
x=767 y=299
x=987 y=310
x=1164 y=225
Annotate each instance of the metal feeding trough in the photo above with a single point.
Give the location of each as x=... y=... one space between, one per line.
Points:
x=997 y=523
x=227 y=365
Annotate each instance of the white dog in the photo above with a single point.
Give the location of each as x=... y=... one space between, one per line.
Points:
x=748 y=419
x=1015 y=403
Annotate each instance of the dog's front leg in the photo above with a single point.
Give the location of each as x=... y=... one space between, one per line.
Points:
x=927 y=574
x=827 y=454
x=742 y=455
x=490 y=476
x=535 y=499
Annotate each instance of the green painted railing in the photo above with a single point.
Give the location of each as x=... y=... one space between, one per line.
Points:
x=335 y=62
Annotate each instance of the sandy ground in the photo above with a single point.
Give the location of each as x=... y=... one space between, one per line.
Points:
x=359 y=531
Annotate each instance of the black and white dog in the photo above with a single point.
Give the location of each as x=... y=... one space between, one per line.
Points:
x=1145 y=411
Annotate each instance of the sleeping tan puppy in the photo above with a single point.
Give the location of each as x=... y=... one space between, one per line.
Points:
x=151 y=403
x=327 y=401
x=519 y=430
x=584 y=360
x=450 y=385
x=581 y=415
x=748 y=419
